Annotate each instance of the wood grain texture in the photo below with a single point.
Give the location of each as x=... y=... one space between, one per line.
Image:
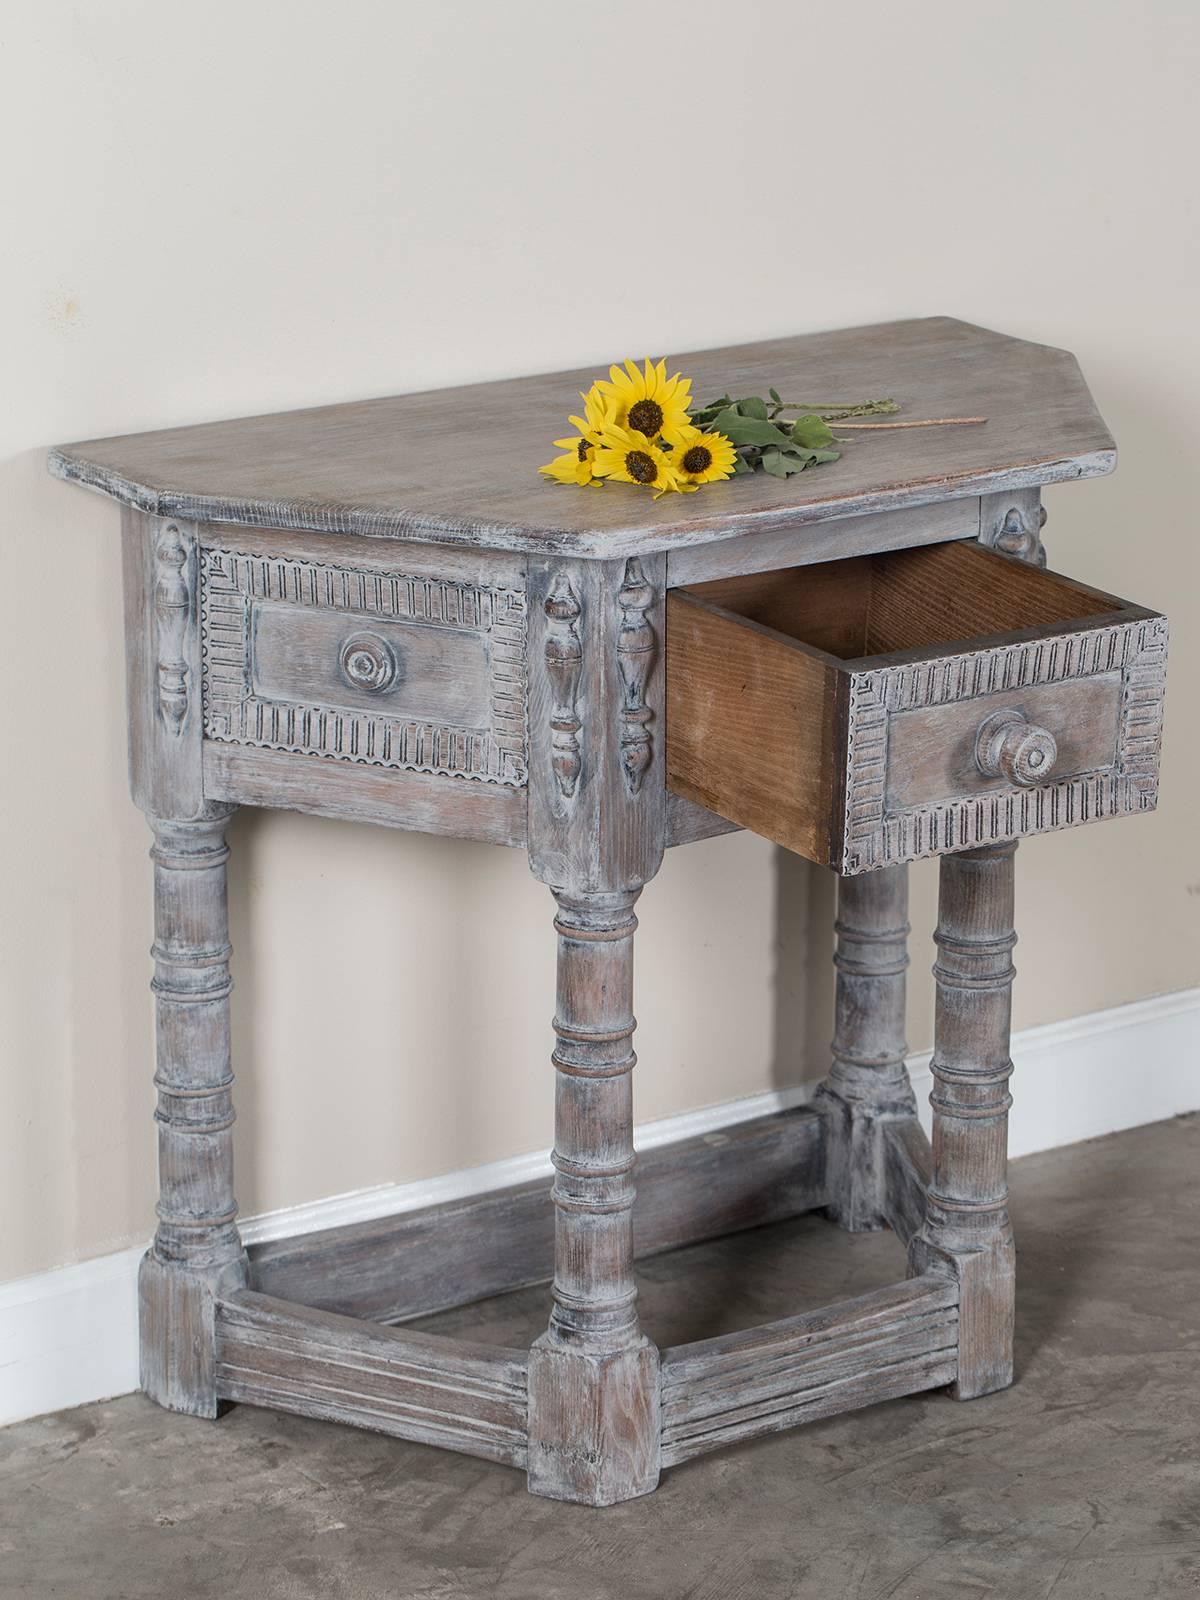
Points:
x=908 y=1170
x=1012 y=523
x=739 y=1386
x=867 y=1088
x=688 y=822
x=927 y=599
x=597 y=760
x=447 y=1392
x=441 y=663
x=417 y=801
x=967 y=1225
x=836 y=539
x=160 y=572
x=394 y=1268
x=593 y=1376
x=395 y=468
x=197 y=1252
x=752 y=726
x=837 y=709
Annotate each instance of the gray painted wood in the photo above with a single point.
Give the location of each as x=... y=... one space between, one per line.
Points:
x=597 y=728
x=396 y=468
x=1012 y=523
x=340 y=611
x=390 y=670
x=836 y=539
x=907 y=1170
x=867 y=1087
x=160 y=567
x=417 y=801
x=597 y=832
x=197 y=1253
x=738 y=1386
x=687 y=822
x=967 y=1225
x=593 y=1376
x=394 y=1268
x=441 y=1391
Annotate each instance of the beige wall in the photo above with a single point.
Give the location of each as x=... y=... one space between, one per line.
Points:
x=249 y=206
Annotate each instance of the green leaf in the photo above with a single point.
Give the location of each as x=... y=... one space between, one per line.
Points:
x=710 y=408
x=812 y=432
x=775 y=463
x=753 y=406
x=748 y=430
x=774 y=393
x=742 y=464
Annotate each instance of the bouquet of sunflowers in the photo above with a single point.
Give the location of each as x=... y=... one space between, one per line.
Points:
x=639 y=427
x=636 y=428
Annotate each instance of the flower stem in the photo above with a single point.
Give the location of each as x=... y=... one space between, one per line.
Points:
x=929 y=422
x=839 y=408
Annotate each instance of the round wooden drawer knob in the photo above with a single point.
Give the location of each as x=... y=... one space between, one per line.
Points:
x=1009 y=746
x=368 y=662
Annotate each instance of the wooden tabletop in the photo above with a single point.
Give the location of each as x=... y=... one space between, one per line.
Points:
x=459 y=466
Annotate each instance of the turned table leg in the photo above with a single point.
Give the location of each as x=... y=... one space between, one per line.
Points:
x=593 y=1376
x=967 y=1224
x=868 y=1081
x=197 y=1253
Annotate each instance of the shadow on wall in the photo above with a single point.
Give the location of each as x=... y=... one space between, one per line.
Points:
x=802 y=1025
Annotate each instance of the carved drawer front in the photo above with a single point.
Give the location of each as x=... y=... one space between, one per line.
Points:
x=416 y=673
x=887 y=707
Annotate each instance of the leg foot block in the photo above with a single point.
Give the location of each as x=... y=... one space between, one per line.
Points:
x=594 y=1423
x=987 y=1280
x=177 y=1332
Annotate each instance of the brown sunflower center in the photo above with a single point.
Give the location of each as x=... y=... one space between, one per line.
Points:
x=646 y=416
x=697 y=459
x=640 y=466
x=582 y=447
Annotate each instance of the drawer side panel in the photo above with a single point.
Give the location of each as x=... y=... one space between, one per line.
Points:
x=752 y=726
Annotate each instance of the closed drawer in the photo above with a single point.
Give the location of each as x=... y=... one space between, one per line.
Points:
x=416 y=673
x=887 y=707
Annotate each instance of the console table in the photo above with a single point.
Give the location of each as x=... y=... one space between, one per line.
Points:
x=379 y=611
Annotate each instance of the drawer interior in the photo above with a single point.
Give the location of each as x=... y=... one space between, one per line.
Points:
x=929 y=599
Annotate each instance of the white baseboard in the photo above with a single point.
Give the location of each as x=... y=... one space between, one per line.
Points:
x=70 y=1335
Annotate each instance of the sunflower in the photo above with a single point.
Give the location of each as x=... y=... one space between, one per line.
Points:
x=598 y=411
x=703 y=458
x=632 y=458
x=647 y=402
x=577 y=465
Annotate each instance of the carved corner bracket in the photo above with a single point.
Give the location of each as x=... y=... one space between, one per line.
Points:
x=172 y=602
x=1017 y=532
x=564 y=664
x=636 y=650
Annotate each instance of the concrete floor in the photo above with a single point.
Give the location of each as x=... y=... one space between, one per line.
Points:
x=1081 y=1482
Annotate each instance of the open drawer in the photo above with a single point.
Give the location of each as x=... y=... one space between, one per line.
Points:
x=886 y=707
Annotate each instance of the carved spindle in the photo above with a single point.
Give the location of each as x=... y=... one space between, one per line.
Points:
x=967 y=1225
x=197 y=1252
x=636 y=650
x=564 y=663
x=868 y=1080
x=593 y=1378
x=172 y=604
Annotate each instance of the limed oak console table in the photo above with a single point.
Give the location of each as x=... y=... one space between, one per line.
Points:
x=379 y=611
